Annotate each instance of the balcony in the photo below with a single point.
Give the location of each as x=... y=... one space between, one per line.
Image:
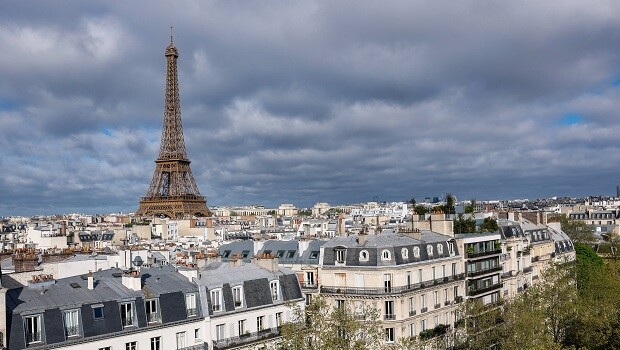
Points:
x=469 y=255
x=447 y=302
x=423 y=310
x=437 y=306
x=246 y=338
x=483 y=272
x=412 y=313
x=390 y=290
x=203 y=346
x=509 y=274
x=528 y=269
x=458 y=300
x=309 y=285
x=191 y=312
x=476 y=291
x=389 y=317
x=33 y=337
x=72 y=331
x=152 y=317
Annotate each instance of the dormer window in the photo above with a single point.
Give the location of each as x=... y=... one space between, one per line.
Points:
x=72 y=323
x=216 y=300
x=127 y=314
x=238 y=296
x=152 y=314
x=405 y=253
x=32 y=326
x=439 y=248
x=416 y=252
x=429 y=250
x=341 y=255
x=274 y=286
x=190 y=304
x=364 y=255
x=385 y=255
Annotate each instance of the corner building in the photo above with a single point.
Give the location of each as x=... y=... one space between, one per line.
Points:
x=414 y=280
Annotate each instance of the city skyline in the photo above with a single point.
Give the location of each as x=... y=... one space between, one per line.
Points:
x=301 y=102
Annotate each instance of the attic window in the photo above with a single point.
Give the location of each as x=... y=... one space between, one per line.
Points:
x=385 y=255
x=364 y=255
x=405 y=253
x=429 y=250
x=440 y=248
x=416 y=252
x=341 y=255
x=226 y=253
x=75 y=285
x=280 y=253
x=117 y=274
x=268 y=252
x=245 y=253
x=314 y=255
x=291 y=254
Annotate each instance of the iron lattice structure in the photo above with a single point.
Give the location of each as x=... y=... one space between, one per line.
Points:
x=173 y=191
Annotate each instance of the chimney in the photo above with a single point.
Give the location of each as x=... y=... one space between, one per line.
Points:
x=132 y=280
x=266 y=261
x=362 y=237
x=91 y=281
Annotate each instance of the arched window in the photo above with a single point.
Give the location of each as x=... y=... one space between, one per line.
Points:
x=385 y=255
x=439 y=248
x=405 y=253
x=429 y=250
x=416 y=252
x=364 y=255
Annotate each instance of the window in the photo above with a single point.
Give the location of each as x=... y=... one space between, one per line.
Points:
x=196 y=333
x=436 y=294
x=341 y=255
x=219 y=331
x=180 y=340
x=389 y=335
x=156 y=343
x=216 y=300
x=242 y=329
x=72 y=325
x=451 y=248
x=309 y=279
x=274 y=286
x=423 y=325
x=314 y=254
x=364 y=255
x=439 y=248
x=429 y=250
x=98 y=312
x=412 y=330
x=408 y=279
x=32 y=326
x=405 y=253
x=291 y=254
x=423 y=301
x=389 y=310
x=411 y=306
x=308 y=299
x=416 y=252
x=420 y=275
x=454 y=269
x=387 y=282
x=238 y=296
x=190 y=304
x=132 y=345
x=127 y=314
x=434 y=275
x=278 y=319
x=339 y=304
x=151 y=310
x=260 y=323
x=385 y=255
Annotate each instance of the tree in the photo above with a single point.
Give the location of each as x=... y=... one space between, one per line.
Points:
x=464 y=224
x=477 y=324
x=449 y=206
x=322 y=327
x=471 y=207
x=577 y=230
x=489 y=225
x=420 y=209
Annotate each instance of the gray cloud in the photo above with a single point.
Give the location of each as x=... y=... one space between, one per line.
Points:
x=309 y=101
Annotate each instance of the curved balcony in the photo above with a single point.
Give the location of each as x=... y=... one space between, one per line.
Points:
x=390 y=290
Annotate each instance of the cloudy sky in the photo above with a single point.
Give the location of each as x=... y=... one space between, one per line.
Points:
x=303 y=101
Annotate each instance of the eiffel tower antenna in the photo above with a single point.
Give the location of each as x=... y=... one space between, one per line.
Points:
x=173 y=191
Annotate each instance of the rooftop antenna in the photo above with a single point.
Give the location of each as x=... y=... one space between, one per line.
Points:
x=171 y=34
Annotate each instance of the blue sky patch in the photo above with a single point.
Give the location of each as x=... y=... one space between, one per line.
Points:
x=616 y=83
x=107 y=131
x=571 y=119
x=7 y=105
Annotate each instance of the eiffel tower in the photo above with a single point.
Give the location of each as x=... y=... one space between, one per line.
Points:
x=173 y=191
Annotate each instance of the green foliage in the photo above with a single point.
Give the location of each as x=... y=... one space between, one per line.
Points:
x=464 y=224
x=577 y=230
x=272 y=212
x=305 y=212
x=489 y=225
x=324 y=328
x=420 y=209
x=470 y=208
